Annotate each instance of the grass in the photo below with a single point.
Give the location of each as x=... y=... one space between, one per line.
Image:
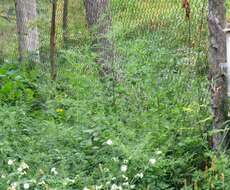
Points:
x=148 y=132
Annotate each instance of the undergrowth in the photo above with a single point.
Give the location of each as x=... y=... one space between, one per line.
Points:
x=149 y=131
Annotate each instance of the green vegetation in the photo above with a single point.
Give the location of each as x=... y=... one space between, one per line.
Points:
x=150 y=131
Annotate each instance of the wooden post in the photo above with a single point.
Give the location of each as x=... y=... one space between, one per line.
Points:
x=53 y=42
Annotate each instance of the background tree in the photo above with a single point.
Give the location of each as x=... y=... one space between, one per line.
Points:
x=99 y=22
x=28 y=39
x=217 y=55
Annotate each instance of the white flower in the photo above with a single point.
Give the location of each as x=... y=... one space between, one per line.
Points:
x=19 y=169
x=158 y=152
x=70 y=180
x=24 y=166
x=107 y=183
x=85 y=188
x=54 y=171
x=132 y=186
x=152 y=161
x=65 y=183
x=14 y=185
x=42 y=182
x=3 y=176
x=26 y=185
x=126 y=183
x=109 y=142
x=139 y=175
x=125 y=177
x=115 y=187
x=124 y=168
x=98 y=187
x=10 y=162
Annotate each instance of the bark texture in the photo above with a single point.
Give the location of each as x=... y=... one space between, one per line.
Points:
x=99 y=22
x=28 y=38
x=217 y=55
x=65 y=21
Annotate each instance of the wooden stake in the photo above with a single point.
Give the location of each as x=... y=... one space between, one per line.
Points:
x=53 y=42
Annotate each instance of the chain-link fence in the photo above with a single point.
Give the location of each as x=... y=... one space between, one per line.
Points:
x=174 y=27
x=165 y=20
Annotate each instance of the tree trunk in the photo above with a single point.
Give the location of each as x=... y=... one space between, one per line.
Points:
x=28 y=39
x=65 y=21
x=99 y=22
x=217 y=56
x=53 y=42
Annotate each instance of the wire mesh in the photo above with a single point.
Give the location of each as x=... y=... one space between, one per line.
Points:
x=165 y=19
